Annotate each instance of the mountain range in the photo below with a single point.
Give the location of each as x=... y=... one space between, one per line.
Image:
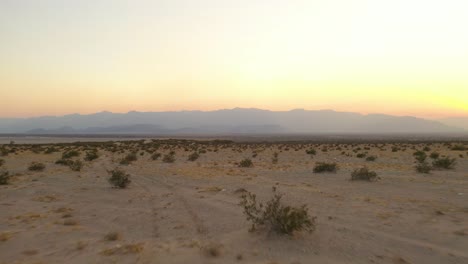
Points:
x=229 y=121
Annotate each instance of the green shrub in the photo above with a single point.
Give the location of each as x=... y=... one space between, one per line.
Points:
x=325 y=167
x=70 y=154
x=4 y=177
x=444 y=163
x=434 y=155
x=36 y=166
x=275 y=216
x=119 y=178
x=91 y=155
x=423 y=167
x=194 y=156
x=363 y=174
x=246 y=163
x=420 y=156
x=129 y=158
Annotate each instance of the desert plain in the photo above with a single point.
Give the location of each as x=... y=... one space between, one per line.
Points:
x=187 y=211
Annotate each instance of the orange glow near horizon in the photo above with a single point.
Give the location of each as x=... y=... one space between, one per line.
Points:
x=401 y=57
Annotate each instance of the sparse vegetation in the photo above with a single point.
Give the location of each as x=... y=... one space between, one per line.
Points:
x=275 y=216
x=156 y=156
x=246 y=163
x=371 y=158
x=311 y=152
x=129 y=158
x=169 y=158
x=434 y=155
x=4 y=177
x=444 y=163
x=423 y=167
x=76 y=165
x=91 y=155
x=36 y=166
x=194 y=156
x=70 y=154
x=2 y=161
x=363 y=174
x=119 y=178
x=274 y=160
x=325 y=167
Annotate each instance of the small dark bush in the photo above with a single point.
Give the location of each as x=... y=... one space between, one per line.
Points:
x=131 y=157
x=155 y=156
x=246 y=163
x=459 y=147
x=65 y=162
x=426 y=148
x=434 y=155
x=371 y=158
x=274 y=160
x=119 y=178
x=363 y=174
x=311 y=152
x=50 y=150
x=423 y=167
x=169 y=158
x=420 y=156
x=4 y=177
x=2 y=161
x=325 y=167
x=194 y=156
x=276 y=216
x=444 y=163
x=36 y=166
x=70 y=154
x=76 y=165
x=91 y=155
x=361 y=155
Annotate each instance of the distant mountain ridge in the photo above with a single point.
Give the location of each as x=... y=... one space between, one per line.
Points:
x=226 y=121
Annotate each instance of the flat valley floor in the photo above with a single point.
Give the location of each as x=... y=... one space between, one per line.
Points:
x=188 y=211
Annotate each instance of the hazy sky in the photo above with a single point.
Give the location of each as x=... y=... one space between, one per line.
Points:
x=403 y=57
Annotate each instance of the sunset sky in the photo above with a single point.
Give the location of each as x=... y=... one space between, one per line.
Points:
x=400 y=57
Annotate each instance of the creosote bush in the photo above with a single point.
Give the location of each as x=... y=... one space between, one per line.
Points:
x=325 y=167
x=371 y=158
x=423 y=167
x=119 y=178
x=311 y=152
x=155 y=156
x=363 y=174
x=246 y=163
x=36 y=166
x=434 y=155
x=4 y=177
x=76 y=165
x=70 y=154
x=444 y=163
x=91 y=155
x=275 y=216
x=129 y=158
x=169 y=158
x=194 y=156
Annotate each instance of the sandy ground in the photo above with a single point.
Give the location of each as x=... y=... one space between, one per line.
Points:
x=188 y=212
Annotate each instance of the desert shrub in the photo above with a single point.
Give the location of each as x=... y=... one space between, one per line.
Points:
x=4 y=177
x=274 y=160
x=155 y=156
x=395 y=149
x=311 y=152
x=194 y=156
x=275 y=216
x=119 y=178
x=246 y=163
x=169 y=158
x=325 y=167
x=64 y=162
x=91 y=155
x=434 y=155
x=459 y=147
x=371 y=158
x=423 y=167
x=70 y=154
x=2 y=161
x=50 y=150
x=444 y=163
x=36 y=166
x=363 y=174
x=426 y=148
x=76 y=165
x=420 y=156
x=129 y=158
x=361 y=155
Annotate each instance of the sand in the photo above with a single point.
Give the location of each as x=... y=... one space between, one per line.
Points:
x=188 y=212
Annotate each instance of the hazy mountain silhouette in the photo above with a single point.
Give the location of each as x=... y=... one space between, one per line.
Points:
x=456 y=122
x=227 y=121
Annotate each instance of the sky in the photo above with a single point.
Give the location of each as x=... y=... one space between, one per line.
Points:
x=399 y=57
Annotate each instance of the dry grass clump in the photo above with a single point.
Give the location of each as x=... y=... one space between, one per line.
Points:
x=371 y=158
x=246 y=163
x=123 y=250
x=274 y=160
x=2 y=161
x=70 y=154
x=155 y=156
x=325 y=167
x=423 y=167
x=91 y=155
x=129 y=158
x=112 y=236
x=36 y=166
x=119 y=178
x=76 y=165
x=169 y=158
x=4 y=177
x=444 y=163
x=363 y=174
x=194 y=156
x=276 y=216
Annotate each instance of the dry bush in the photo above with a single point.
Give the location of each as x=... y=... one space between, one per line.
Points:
x=91 y=155
x=325 y=167
x=156 y=156
x=363 y=174
x=246 y=163
x=36 y=166
x=169 y=158
x=129 y=158
x=2 y=161
x=371 y=158
x=70 y=154
x=194 y=156
x=444 y=163
x=423 y=167
x=76 y=165
x=4 y=177
x=119 y=178
x=275 y=216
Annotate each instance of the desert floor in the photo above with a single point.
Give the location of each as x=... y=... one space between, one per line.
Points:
x=188 y=212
